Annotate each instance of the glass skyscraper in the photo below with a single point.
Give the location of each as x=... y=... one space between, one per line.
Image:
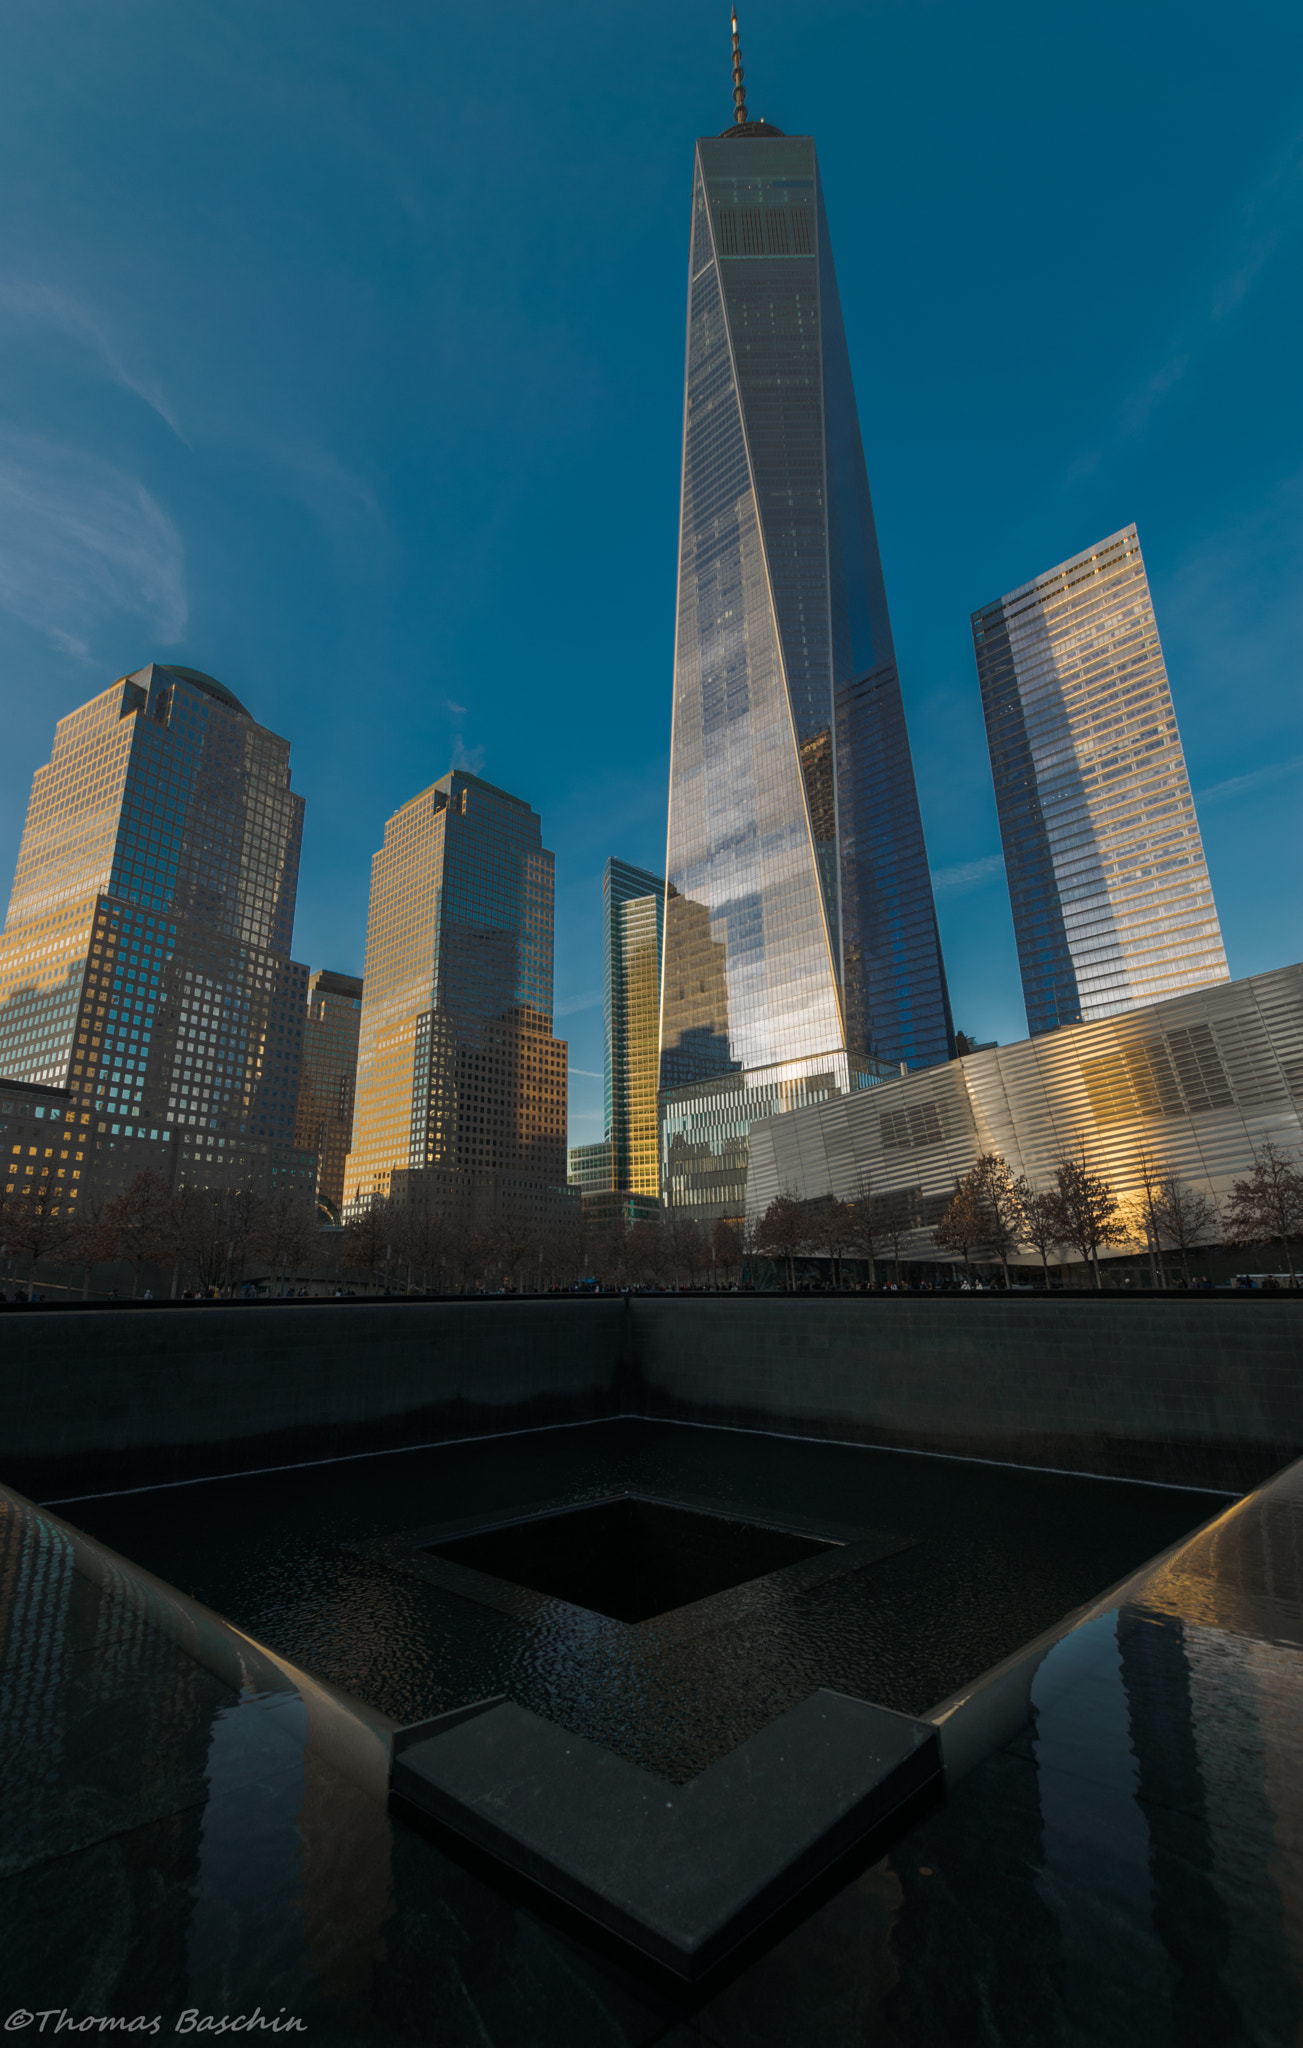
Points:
x=323 y=1121
x=144 y=964
x=1112 y=904
x=633 y=924
x=459 y=1078
x=801 y=947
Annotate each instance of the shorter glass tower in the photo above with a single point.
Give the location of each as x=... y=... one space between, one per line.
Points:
x=144 y=965
x=459 y=1077
x=633 y=930
x=1112 y=904
x=323 y=1121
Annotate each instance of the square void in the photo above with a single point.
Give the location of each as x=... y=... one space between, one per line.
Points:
x=629 y=1558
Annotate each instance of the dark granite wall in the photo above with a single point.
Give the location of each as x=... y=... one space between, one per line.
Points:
x=1202 y=1391
x=93 y=1401
x=1199 y=1391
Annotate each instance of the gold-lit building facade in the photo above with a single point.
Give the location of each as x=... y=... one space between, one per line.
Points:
x=1192 y=1086
x=459 y=1078
x=323 y=1121
x=1112 y=902
x=633 y=929
x=144 y=964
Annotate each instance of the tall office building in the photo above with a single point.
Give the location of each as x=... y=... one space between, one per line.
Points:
x=323 y=1121
x=1112 y=905
x=459 y=1077
x=801 y=948
x=620 y=1174
x=144 y=965
x=633 y=926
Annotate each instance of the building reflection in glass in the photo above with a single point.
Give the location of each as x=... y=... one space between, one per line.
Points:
x=1112 y=902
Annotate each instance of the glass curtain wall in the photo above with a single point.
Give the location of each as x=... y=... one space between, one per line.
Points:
x=1112 y=901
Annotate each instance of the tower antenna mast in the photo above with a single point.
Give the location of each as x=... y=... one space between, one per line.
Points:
x=739 y=90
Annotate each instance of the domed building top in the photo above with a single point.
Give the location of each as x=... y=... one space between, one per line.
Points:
x=208 y=684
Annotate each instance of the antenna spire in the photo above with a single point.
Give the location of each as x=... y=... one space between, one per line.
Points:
x=739 y=90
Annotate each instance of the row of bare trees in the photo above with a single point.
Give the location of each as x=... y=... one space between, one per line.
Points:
x=208 y=1238
x=426 y=1244
x=996 y=1214
x=871 y=1227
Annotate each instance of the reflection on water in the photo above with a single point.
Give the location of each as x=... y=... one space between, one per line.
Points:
x=188 y=1821
x=998 y=1555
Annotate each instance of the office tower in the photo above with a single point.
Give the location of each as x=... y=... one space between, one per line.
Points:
x=1112 y=905
x=458 y=1076
x=801 y=948
x=323 y=1122
x=633 y=924
x=145 y=962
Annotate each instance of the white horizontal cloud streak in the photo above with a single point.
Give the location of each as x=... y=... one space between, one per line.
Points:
x=80 y=541
x=573 y=1003
x=967 y=874
x=1239 y=785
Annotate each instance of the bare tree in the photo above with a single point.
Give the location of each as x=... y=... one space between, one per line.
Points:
x=865 y=1226
x=565 y=1246
x=690 y=1247
x=832 y=1232
x=726 y=1244
x=650 y=1252
x=427 y=1229
x=997 y=1193
x=1267 y=1207
x=37 y=1223
x=141 y=1225
x=896 y=1219
x=963 y=1226
x=1088 y=1211
x=509 y=1240
x=1151 y=1176
x=287 y=1233
x=783 y=1233
x=89 y=1238
x=1042 y=1222
x=368 y=1240
x=1184 y=1217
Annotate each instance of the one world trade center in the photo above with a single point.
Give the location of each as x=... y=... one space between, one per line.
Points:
x=801 y=950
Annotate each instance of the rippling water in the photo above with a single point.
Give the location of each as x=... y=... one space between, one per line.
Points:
x=998 y=1555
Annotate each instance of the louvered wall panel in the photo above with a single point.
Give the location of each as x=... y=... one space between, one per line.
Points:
x=1194 y=1085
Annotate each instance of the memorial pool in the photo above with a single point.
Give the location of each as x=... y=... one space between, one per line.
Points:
x=967 y=1563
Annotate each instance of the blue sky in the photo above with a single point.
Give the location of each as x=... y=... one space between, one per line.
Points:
x=343 y=352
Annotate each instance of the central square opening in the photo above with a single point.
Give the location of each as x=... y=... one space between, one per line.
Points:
x=630 y=1558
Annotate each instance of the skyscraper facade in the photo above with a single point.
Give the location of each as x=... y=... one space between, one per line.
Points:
x=633 y=925
x=145 y=960
x=1112 y=903
x=459 y=1077
x=323 y=1122
x=801 y=947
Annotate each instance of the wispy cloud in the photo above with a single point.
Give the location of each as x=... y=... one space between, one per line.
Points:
x=81 y=541
x=1239 y=785
x=50 y=307
x=573 y=1003
x=587 y=1073
x=469 y=758
x=457 y=710
x=967 y=874
x=1260 y=231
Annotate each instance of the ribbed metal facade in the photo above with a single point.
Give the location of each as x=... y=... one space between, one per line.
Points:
x=1194 y=1084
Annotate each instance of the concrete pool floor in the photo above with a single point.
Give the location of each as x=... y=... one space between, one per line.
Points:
x=193 y=1822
